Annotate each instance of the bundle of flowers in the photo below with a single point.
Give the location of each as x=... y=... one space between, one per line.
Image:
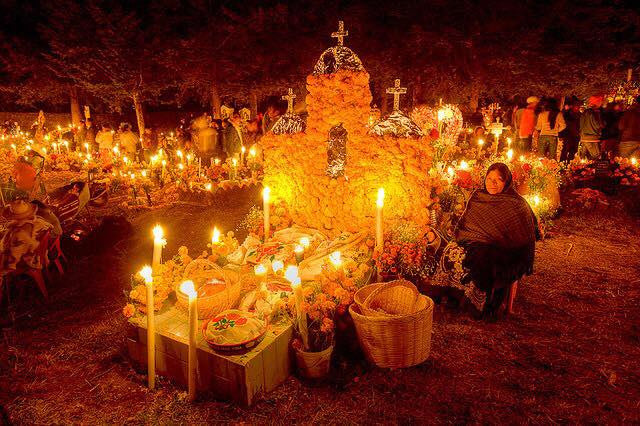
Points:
x=409 y=251
x=627 y=172
x=589 y=199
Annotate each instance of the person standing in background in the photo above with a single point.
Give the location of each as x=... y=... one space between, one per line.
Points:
x=571 y=134
x=629 y=126
x=550 y=122
x=525 y=125
x=591 y=126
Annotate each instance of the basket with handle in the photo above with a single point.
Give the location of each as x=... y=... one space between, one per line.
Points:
x=215 y=303
x=395 y=341
x=396 y=297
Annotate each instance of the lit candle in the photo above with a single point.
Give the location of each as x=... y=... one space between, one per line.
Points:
x=242 y=151
x=86 y=145
x=266 y=192
x=277 y=265
x=509 y=142
x=158 y=243
x=261 y=272
x=464 y=165
x=510 y=154
x=208 y=186
x=379 y=206
x=299 y=252
x=216 y=161
x=252 y=152
x=187 y=288
x=215 y=239
x=146 y=274
x=634 y=161
x=15 y=149
x=305 y=242
x=188 y=159
x=480 y=143
x=336 y=259
x=296 y=285
x=234 y=162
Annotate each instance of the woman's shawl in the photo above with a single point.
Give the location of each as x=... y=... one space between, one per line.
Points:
x=504 y=220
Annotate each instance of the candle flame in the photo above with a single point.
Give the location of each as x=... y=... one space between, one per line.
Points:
x=634 y=161
x=336 y=258
x=259 y=269
x=215 y=238
x=252 y=152
x=510 y=154
x=234 y=161
x=298 y=249
x=243 y=149
x=509 y=141
x=266 y=192
x=277 y=265
x=536 y=199
x=305 y=242
x=291 y=273
x=147 y=274
x=158 y=233
x=188 y=288
x=380 y=200
x=464 y=165
x=450 y=171
x=480 y=142
x=208 y=186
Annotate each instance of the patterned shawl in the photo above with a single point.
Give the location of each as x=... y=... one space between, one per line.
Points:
x=504 y=220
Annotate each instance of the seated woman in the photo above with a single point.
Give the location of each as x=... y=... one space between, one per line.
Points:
x=498 y=232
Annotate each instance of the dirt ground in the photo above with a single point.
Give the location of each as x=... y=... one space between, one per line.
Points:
x=571 y=352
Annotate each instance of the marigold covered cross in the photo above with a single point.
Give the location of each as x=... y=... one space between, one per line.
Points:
x=396 y=91
x=289 y=97
x=340 y=34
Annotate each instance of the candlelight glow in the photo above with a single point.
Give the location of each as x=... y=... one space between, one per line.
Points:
x=259 y=269
x=234 y=161
x=243 y=149
x=450 y=171
x=252 y=152
x=521 y=158
x=208 y=186
x=277 y=265
x=634 y=161
x=510 y=154
x=380 y=200
x=509 y=141
x=464 y=165
x=298 y=249
x=536 y=199
x=480 y=142
x=158 y=233
x=305 y=242
x=266 y=192
x=146 y=274
x=291 y=273
x=215 y=238
x=336 y=258
x=188 y=288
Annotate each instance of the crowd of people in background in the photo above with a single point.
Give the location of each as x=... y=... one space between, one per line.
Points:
x=590 y=130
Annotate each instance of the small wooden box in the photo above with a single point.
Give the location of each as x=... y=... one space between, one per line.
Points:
x=229 y=377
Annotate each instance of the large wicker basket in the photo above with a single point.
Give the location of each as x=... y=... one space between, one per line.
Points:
x=214 y=304
x=395 y=341
x=396 y=297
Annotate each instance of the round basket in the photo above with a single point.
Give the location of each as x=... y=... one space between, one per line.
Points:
x=395 y=341
x=398 y=297
x=215 y=303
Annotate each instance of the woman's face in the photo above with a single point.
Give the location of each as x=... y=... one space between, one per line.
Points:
x=494 y=182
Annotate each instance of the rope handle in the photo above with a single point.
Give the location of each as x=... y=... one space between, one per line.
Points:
x=391 y=284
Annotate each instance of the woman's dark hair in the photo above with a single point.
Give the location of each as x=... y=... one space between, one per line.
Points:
x=505 y=173
x=552 y=107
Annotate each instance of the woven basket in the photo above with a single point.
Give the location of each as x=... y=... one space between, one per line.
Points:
x=398 y=297
x=216 y=303
x=395 y=341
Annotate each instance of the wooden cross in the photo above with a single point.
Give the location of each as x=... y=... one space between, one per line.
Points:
x=396 y=91
x=340 y=34
x=289 y=98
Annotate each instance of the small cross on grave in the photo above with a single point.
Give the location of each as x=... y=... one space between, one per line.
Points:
x=396 y=91
x=289 y=98
x=340 y=34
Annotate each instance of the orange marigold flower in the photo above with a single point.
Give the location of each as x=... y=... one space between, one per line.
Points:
x=128 y=310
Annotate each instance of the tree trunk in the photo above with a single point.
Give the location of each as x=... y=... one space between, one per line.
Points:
x=475 y=96
x=254 y=104
x=137 y=104
x=76 y=116
x=216 y=102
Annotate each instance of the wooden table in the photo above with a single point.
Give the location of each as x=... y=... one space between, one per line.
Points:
x=235 y=377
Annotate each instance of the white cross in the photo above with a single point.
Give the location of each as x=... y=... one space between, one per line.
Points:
x=289 y=98
x=340 y=34
x=396 y=91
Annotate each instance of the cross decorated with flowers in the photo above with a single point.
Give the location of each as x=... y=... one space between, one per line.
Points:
x=289 y=97
x=340 y=34
x=396 y=91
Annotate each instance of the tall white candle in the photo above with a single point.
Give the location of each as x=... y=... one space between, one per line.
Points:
x=266 y=192
x=379 y=206
x=147 y=275
x=187 y=288
x=291 y=274
x=158 y=243
x=215 y=239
